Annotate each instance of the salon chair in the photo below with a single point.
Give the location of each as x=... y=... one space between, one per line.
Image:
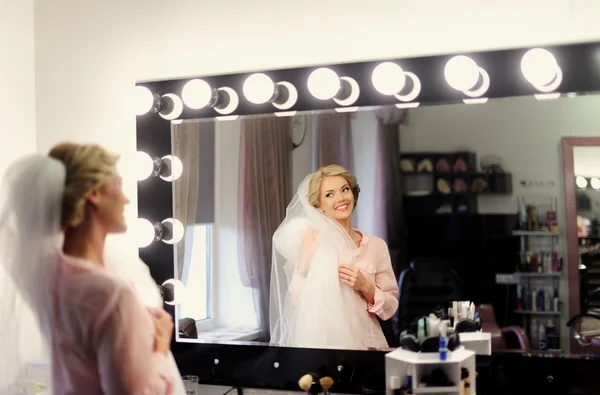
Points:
x=589 y=336
x=187 y=328
x=502 y=338
x=427 y=284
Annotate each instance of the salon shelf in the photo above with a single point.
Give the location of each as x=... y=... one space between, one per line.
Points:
x=540 y=233
x=534 y=274
x=435 y=390
x=532 y=312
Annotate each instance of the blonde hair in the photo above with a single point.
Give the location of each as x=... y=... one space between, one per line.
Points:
x=87 y=167
x=314 y=185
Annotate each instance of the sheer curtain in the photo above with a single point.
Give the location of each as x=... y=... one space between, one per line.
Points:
x=264 y=193
x=186 y=146
x=333 y=140
x=389 y=183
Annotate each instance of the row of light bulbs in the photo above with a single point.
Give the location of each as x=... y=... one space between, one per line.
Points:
x=582 y=182
x=462 y=73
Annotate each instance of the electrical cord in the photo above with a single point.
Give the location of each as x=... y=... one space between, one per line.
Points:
x=239 y=391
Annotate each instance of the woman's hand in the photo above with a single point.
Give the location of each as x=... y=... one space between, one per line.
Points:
x=353 y=277
x=163 y=322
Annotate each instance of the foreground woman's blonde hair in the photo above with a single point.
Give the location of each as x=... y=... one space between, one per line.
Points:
x=87 y=167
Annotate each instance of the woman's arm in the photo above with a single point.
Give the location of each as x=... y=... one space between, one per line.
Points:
x=124 y=343
x=302 y=266
x=385 y=291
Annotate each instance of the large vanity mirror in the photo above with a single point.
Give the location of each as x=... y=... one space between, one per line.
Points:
x=447 y=187
x=315 y=218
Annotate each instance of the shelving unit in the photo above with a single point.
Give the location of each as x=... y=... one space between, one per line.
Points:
x=403 y=363
x=433 y=180
x=530 y=282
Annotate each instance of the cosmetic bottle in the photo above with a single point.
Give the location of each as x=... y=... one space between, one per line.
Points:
x=541 y=300
x=548 y=300
x=551 y=336
x=443 y=348
x=522 y=213
x=527 y=297
x=551 y=217
x=556 y=301
x=555 y=261
x=542 y=337
x=533 y=300
x=519 y=297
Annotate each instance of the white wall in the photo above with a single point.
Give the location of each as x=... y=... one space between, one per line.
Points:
x=17 y=104
x=17 y=112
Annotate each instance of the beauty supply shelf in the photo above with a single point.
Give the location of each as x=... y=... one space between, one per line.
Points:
x=535 y=312
x=539 y=233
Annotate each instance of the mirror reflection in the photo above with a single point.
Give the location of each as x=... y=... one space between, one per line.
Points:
x=343 y=230
x=586 y=164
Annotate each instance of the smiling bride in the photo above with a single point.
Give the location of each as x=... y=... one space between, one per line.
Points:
x=329 y=281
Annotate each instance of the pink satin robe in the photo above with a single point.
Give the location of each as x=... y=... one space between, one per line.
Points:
x=102 y=337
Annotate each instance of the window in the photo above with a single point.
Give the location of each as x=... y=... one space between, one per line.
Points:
x=196 y=273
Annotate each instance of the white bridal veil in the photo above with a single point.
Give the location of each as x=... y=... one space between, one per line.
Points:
x=309 y=306
x=30 y=239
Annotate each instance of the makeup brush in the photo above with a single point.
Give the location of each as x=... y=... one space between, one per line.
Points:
x=305 y=382
x=308 y=383
x=326 y=382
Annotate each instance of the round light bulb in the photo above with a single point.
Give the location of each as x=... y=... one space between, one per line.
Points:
x=388 y=78
x=175 y=166
x=143 y=165
x=539 y=66
x=197 y=94
x=323 y=83
x=259 y=88
x=461 y=72
x=595 y=182
x=178 y=290
x=143 y=100
x=144 y=232
x=581 y=182
x=176 y=228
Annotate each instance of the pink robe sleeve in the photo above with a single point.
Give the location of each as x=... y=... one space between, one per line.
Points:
x=386 y=288
x=124 y=342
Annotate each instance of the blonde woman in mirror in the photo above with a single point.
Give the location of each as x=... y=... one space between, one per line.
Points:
x=56 y=214
x=336 y=280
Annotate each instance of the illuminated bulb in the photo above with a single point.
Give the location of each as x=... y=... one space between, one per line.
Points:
x=197 y=94
x=143 y=100
x=324 y=83
x=595 y=182
x=175 y=230
x=174 y=168
x=539 y=67
x=581 y=182
x=462 y=73
x=177 y=289
x=388 y=78
x=144 y=232
x=259 y=88
x=143 y=165
x=171 y=107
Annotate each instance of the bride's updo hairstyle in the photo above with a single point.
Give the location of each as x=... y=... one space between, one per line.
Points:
x=314 y=185
x=87 y=167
